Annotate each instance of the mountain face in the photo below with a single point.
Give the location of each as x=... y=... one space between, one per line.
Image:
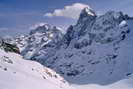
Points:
x=98 y=49
x=41 y=41
x=86 y=19
x=95 y=46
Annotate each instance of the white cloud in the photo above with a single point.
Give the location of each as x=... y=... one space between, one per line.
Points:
x=71 y=11
x=48 y=14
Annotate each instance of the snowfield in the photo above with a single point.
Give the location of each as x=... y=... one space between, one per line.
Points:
x=17 y=73
x=123 y=84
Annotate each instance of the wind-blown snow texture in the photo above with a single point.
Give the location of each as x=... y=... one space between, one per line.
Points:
x=17 y=73
x=123 y=84
x=97 y=50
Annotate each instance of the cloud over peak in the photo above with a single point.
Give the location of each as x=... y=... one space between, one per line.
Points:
x=70 y=11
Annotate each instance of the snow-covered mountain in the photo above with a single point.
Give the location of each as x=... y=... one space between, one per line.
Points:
x=96 y=50
x=17 y=73
x=95 y=46
x=43 y=40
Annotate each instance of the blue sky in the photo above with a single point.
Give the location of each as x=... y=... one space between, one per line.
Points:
x=17 y=16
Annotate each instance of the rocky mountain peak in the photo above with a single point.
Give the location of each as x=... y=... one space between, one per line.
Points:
x=86 y=19
x=118 y=16
x=41 y=29
x=86 y=13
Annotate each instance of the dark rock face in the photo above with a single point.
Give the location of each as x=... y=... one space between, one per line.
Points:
x=68 y=36
x=86 y=19
x=9 y=47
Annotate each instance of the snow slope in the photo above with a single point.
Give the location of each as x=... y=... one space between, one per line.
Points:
x=123 y=84
x=17 y=73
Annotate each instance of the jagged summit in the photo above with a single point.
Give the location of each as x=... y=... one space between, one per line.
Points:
x=86 y=14
x=86 y=20
x=42 y=41
x=88 y=11
x=40 y=28
x=39 y=25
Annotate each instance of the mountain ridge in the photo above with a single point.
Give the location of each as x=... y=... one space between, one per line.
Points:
x=94 y=46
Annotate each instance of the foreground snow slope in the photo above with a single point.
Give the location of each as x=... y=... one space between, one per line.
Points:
x=16 y=73
x=123 y=84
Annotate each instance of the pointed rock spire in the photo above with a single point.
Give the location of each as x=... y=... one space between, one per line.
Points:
x=86 y=14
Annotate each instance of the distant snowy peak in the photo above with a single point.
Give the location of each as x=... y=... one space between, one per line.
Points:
x=46 y=32
x=40 y=28
x=39 y=25
x=117 y=15
x=43 y=28
x=86 y=19
x=88 y=11
x=42 y=41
